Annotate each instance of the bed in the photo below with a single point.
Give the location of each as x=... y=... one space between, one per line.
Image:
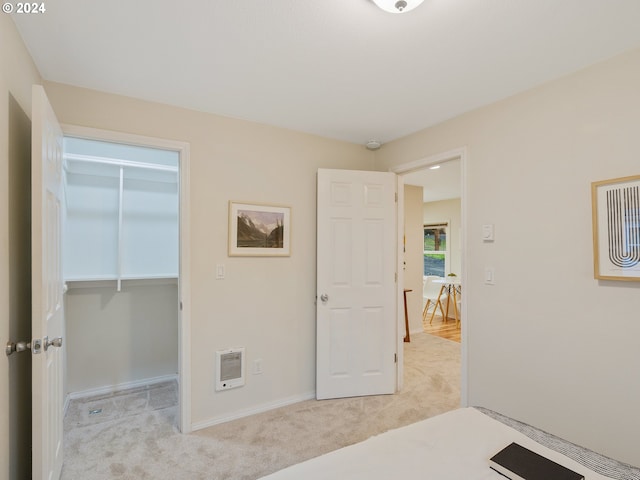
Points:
x=456 y=446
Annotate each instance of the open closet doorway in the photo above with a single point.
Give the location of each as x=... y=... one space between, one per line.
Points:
x=124 y=269
x=433 y=253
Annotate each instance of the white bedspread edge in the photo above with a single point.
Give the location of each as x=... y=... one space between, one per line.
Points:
x=455 y=445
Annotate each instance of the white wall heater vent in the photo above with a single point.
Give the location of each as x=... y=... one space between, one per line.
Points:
x=229 y=368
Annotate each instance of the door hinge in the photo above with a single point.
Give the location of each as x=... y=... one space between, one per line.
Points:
x=180 y=306
x=396 y=197
x=396 y=277
x=395 y=358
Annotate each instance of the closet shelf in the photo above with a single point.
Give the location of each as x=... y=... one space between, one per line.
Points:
x=111 y=281
x=110 y=167
x=120 y=163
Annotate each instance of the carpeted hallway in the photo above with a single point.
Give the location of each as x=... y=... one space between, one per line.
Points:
x=135 y=438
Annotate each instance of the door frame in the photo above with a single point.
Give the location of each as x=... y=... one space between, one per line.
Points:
x=184 y=261
x=421 y=164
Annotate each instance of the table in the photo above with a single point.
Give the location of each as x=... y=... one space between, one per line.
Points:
x=407 y=337
x=453 y=287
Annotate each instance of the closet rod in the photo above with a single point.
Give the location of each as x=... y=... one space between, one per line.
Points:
x=120 y=163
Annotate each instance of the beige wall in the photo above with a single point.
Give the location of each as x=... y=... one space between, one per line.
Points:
x=548 y=344
x=116 y=338
x=17 y=74
x=413 y=255
x=264 y=304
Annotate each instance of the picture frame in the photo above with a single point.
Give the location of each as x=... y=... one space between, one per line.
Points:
x=259 y=230
x=616 y=228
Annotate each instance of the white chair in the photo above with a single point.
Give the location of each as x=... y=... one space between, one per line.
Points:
x=432 y=298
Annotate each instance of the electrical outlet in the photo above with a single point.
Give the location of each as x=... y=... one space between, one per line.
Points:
x=489 y=276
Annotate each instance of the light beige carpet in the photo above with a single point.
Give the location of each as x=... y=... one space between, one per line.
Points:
x=139 y=440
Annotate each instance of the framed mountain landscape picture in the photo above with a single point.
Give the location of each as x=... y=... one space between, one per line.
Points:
x=259 y=230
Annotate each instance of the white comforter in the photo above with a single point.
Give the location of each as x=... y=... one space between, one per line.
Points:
x=455 y=445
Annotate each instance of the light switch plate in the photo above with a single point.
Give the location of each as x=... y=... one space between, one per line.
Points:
x=220 y=271
x=487 y=232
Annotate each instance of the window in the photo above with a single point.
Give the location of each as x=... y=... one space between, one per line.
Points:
x=435 y=249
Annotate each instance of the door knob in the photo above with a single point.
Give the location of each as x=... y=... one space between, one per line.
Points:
x=324 y=297
x=16 y=347
x=56 y=342
x=35 y=346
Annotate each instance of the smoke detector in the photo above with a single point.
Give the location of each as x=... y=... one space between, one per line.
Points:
x=373 y=145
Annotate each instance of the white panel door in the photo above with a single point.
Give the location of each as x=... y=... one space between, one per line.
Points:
x=47 y=321
x=356 y=286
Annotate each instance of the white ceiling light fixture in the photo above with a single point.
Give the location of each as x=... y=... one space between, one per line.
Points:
x=397 y=6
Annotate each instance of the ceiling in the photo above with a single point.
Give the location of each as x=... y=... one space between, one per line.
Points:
x=442 y=183
x=342 y=69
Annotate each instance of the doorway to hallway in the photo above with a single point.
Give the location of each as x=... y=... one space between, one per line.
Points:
x=434 y=194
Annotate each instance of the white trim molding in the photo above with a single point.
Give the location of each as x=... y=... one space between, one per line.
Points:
x=108 y=389
x=265 y=407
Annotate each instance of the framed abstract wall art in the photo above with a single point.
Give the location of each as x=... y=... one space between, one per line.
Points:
x=259 y=230
x=616 y=228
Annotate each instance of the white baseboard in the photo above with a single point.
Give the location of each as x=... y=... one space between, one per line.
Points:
x=121 y=386
x=252 y=411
